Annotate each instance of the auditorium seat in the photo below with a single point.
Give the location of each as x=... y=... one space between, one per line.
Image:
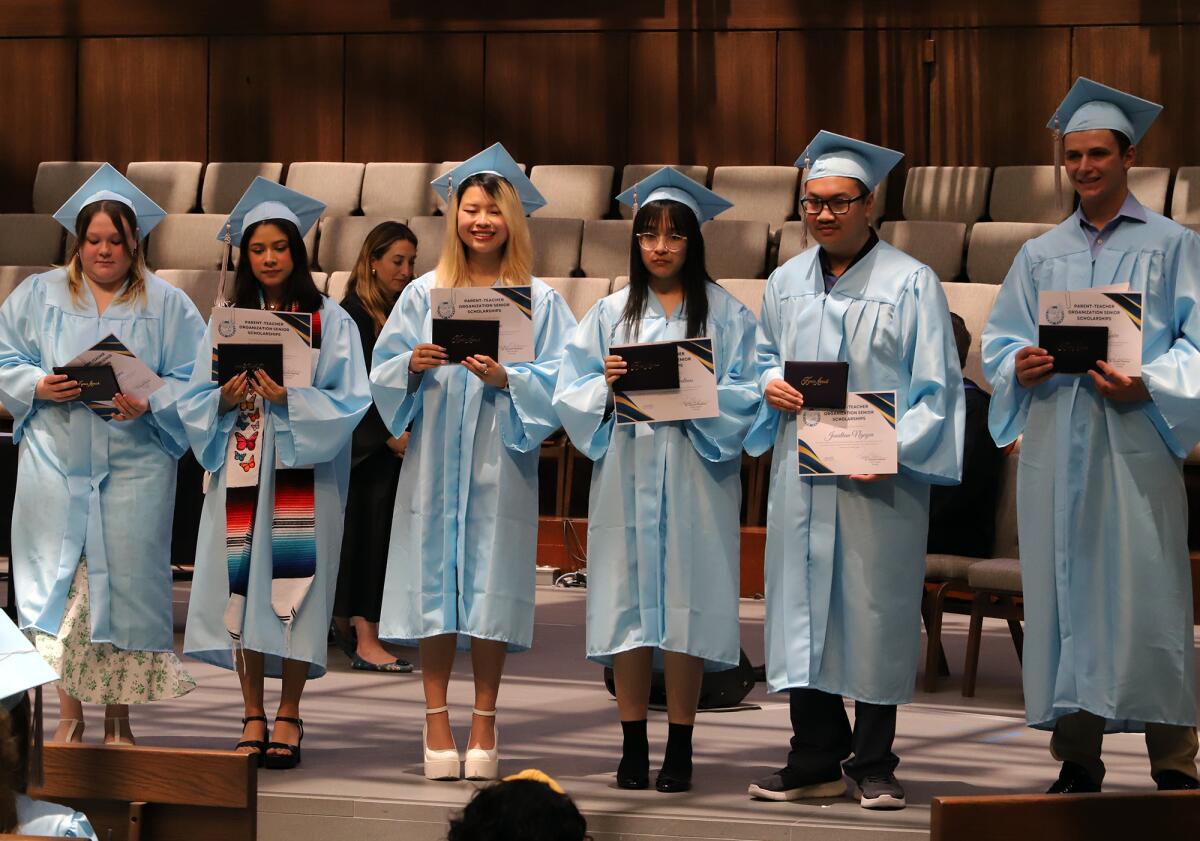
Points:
x=735 y=247
x=429 y=231
x=555 y=246
x=973 y=302
x=938 y=245
x=633 y=173
x=173 y=185
x=1149 y=186
x=946 y=193
x=1185 y=200
x=199 y=284
x=759 y=193
x=620 y=282
x=225 y=181
x=320 y=279
x=398 y=190
x=580 y=293
x=57 y=181
x=186 y=241
x=573 y=191
x=10 y=276
x=994 y=245
x=793 y=239
x=29 y=239
x=605 y=250
x=335 y=287
x=1027 y=194
x=342 y=238
x=337 y=183
x=749 y=291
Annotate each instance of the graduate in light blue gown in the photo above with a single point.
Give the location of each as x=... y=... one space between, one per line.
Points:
x=658 y=584
x=91 y=532
x=268 y=550
x=464 y=537
x=845 y=556
x=1101 y=503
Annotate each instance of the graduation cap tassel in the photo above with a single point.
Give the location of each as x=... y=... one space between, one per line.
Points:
x=37 y=740
x=226 y=253
x=1058 y=164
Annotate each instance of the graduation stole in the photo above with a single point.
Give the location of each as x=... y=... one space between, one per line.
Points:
x=293 y=521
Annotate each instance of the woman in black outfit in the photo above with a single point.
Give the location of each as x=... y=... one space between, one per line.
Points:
x=384 y=267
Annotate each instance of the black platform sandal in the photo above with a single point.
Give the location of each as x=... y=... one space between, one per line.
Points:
x=281 y=761
x=260 y=744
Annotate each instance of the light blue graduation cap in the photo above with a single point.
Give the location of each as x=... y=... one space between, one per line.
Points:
x=494 y=160
x=21 y=667
x=670 y=183
x=1090 y=105
x=266 y=199
x=106 y=184
x=830 y=154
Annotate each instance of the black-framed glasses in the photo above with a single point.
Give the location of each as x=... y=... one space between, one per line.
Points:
x=674 y=243
x=837 y=206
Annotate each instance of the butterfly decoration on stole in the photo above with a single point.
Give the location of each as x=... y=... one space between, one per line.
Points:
x=246 y=465
x=246 y=442
x=245 y=421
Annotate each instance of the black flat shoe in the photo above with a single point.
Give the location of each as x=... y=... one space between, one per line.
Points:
x=1172 y=780
x=398 y=666
x=1072 y=779
x=671 y=784
x=633 y=781
x=260 y=744
x=283 y=761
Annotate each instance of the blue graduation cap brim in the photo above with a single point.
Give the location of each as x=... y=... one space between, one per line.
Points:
x=21 y=667
x=265 y=199
x=832 y=154
x=106 y=184
x=1090 y=105
x=495 y=160
x=671 y=184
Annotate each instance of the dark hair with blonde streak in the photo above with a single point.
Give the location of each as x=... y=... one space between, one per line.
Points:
x=365 y=285
x=125 y=221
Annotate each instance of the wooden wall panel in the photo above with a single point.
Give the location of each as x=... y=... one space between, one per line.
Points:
x=702 y=97
x=275 y=98
x=993 y=92
x=414 y=97
x=864 y=84
x=1155 y=62
x=143 y=99
x=37 y=100
x=557 y=98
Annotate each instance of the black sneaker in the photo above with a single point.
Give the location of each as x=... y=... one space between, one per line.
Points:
x=880 y=792
x=786 y=784
x=1073 y=779
x=1176 y=781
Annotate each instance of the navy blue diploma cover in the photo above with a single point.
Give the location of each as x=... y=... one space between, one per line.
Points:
x=1075 y=349
x=463 y=338
x=648 y=367
x=822 y=384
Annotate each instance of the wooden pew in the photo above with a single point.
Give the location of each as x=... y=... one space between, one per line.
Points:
x=155 y=794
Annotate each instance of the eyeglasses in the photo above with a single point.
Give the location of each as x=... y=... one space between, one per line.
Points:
x=672 y=242
x=838 y=206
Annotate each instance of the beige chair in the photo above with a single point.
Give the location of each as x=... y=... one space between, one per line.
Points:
x=11 y=276
x=938 y=245
x=429 y=231
x=173 y=185
x=337 y=183
x=620 y=282
x=199 y=284
x=946 y=193
x=57 y=181
x=320 y=279
x=186 y=241
x=398 y=190
x=342 y=239
x=994 y=245
x=973 y=303
x=1149 y=186
x=555 y=246
x=735 y=248
x=446 y=166
x=749 y=291
x=335 y=287
x=1027 y=194
x=633 y=173
x=605 y=250
x=580 y=293
x=28 y=239
x=573 y=191
x=793 y=239
x=224 y=183
x=1185 y=201
x=759 y=193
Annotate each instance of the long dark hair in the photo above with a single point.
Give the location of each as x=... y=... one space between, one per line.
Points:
x=299 y=288
x=668 y=216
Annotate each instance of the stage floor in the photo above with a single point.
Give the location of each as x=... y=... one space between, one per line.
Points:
x=361 y=774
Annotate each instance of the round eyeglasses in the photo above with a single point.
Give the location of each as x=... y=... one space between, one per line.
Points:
x=837 y=206
x=672 y=242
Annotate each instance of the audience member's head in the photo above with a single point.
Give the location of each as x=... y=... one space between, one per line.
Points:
x=14 y=758
x=526 y=807
x=962 y=338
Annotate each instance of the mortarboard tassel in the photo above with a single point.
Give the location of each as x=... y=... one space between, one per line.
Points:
x=1058 y=164
x=37 y=740
x=222 y=301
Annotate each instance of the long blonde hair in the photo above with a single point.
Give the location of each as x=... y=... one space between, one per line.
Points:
x=363 y=284
x=121 y=215
x=516 y=266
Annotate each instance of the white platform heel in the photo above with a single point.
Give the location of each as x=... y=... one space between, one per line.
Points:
x=481 y=764
x=439 y=764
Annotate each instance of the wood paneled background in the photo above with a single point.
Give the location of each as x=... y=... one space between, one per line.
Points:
x=642 y=81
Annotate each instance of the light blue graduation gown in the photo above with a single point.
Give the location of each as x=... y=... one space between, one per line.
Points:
x=663 y=513
x=464 y=535
x=40 y=817
x=1101 y=504
x=845 y=560
x=313 y=429
x=87 y=486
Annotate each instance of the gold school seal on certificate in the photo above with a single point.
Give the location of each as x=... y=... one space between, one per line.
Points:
x=844 y=442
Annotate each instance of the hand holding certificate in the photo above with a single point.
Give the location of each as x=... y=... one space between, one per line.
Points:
x=855 y=441
x=1082 y=326
x=109 y=368
x=291 y=332
x=689 y=392
x=509 y=309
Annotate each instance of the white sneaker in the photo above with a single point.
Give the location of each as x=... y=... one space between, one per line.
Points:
x=439 y=764
x=481 y=764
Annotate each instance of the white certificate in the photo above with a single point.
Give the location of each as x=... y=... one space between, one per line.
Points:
x=1114 y=307
x=133 y=375
x=292 y=330
x=695 y=398
x=844 y=442
x=512 y=306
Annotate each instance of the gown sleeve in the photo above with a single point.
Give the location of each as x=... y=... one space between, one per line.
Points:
x=581 y=397
x=1173 y=378
x=396 y=391
x=20 y=357
x=768 y=366
x=182 y=332
x=738 y=394
x=1011 y=326
x=199 y=409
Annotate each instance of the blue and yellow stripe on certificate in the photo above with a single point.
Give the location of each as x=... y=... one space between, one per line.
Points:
x=628 y=411
x=810 y=465
x=301 y=322
x=105 y=410
x=1130 y=304
x=701 y=349
x=521 y=296
x=111 y=344
x=884 y=402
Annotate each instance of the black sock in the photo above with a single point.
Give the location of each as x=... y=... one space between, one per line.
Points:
x=635 y=750
x=677 y=762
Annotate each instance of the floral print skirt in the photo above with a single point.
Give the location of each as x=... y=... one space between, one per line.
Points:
x=99 y=672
